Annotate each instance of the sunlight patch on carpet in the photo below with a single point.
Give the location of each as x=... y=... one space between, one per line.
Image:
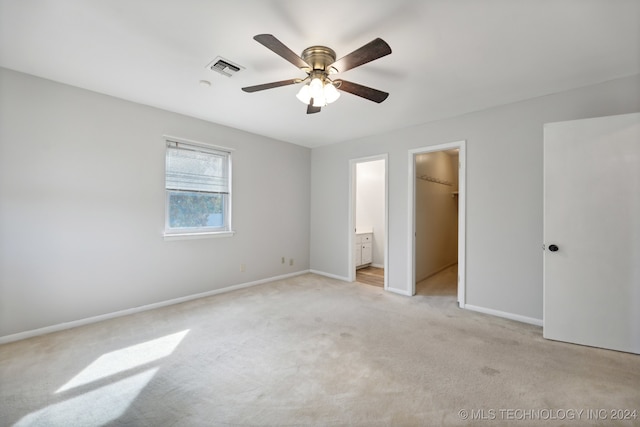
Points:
x=96 y=407
x=125 y=359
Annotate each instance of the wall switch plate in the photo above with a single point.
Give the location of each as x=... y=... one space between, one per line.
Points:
x=291 y=261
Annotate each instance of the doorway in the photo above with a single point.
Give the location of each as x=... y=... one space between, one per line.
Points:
x=436 y=225
x=368 y=225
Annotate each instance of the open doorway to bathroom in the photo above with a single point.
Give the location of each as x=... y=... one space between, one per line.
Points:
x=368 y=221
x=437 y=234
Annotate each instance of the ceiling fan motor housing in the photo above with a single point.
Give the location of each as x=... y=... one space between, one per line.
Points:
x=319 y=58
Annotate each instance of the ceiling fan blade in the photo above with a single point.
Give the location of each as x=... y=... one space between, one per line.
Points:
x=371 y=51
x=369 y=93
x=270 y=85
x=272 y=43
x=311 y=109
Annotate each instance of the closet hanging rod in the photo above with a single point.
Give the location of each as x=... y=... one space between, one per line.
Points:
x=435 y=180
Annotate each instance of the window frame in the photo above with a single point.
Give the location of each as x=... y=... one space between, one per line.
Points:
x=198 y=232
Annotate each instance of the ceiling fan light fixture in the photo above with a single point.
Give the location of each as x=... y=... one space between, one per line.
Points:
x=316 y=88
x=319 y=102
x=319 y=91
x=304 y=95
x=331 y=94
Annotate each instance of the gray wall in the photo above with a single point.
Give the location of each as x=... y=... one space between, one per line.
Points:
x=504 y=192
x=82 y=202
x=82 y=207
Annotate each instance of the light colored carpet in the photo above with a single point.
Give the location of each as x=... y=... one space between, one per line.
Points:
x=310 y=351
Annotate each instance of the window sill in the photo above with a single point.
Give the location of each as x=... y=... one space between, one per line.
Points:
x=191 y=236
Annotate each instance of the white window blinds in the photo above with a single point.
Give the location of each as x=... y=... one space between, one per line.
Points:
x=196 y=168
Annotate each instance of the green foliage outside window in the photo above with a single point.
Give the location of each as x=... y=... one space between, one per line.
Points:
x=189 y=209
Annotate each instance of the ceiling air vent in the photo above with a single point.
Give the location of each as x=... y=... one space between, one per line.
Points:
x=224 y=66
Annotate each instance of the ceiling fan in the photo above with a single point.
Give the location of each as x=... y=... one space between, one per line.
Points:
x=319 y=62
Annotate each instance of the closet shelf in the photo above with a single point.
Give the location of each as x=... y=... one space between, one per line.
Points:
x=434 y=180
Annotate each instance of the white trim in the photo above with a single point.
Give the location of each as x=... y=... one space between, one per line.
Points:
x=331 y=276
x=198 y=143
x=190 y=236
x=89 y=320
x=462 y=224
x=352 y=212
x=351 y=223
x=462 y=215
x=399 y=291
x=386 y=221
x=510 y=316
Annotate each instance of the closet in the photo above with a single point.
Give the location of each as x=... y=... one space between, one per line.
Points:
x=436 y=222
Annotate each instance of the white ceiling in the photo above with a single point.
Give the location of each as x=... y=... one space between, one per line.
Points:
x=449 y=56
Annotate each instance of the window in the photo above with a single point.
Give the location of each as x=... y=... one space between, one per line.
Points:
x=198 y=189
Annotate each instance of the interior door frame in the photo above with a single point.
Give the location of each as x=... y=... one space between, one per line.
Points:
x=352 y=213
x=462 y=214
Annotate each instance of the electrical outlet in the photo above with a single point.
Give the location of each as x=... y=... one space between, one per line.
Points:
x=243 y=268
x=283 y=261
x=290 y=261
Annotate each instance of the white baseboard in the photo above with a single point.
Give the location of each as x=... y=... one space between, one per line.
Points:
x=329 y=275
x=510 y=316
x=399 y=292
x=74 y=324
x=403 y=292
x=377 y=265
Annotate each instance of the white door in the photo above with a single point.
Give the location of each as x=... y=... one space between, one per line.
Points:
x=592 y=232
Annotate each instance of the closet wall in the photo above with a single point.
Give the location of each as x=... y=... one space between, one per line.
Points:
x=436 y=212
